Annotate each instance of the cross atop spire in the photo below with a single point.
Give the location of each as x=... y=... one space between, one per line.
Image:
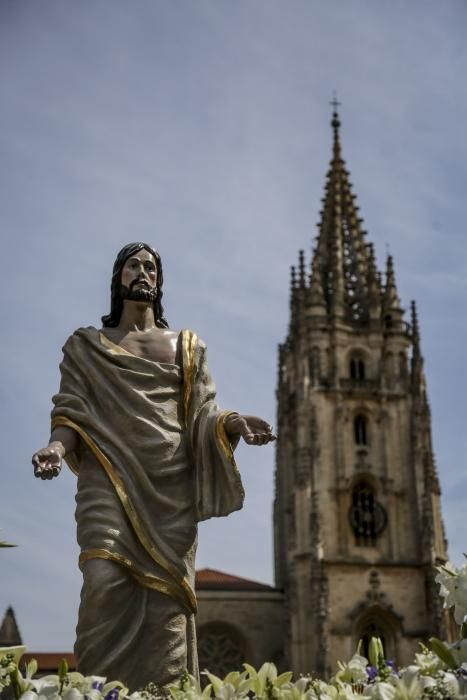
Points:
x=335 y=123
x=335 y=102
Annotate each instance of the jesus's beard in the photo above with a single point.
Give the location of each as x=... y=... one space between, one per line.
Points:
x=139 y=294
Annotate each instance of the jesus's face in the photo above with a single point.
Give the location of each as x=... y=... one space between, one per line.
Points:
x=139 y=277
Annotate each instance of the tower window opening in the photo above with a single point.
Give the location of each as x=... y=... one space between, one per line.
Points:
x=360 y=430
x=357 y=368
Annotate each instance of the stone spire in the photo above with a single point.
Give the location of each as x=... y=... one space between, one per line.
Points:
x=301 y=269
x=293 y=304
x=346 y=264
x=418 y=380
x=9 y=631
x=374 y=289
x=316 y=303
x=392 y=312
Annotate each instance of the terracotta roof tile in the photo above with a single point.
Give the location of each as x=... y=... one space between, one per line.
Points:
x=48 y=662
x=210 y=579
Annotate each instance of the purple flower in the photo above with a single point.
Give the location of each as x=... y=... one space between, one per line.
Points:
x=112 y=694
x=97 y=685
x=372 y=672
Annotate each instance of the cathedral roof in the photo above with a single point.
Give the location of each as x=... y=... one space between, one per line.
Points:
x=210 y=579
x=49 y=661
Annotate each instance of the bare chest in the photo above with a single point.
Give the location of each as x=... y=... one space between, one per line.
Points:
x=157 y=345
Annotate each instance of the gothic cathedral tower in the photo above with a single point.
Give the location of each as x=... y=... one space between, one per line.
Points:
x=357 y=519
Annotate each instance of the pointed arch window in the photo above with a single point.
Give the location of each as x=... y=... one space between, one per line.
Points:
x=367 y=516
x=357 y=368
x=360 y=427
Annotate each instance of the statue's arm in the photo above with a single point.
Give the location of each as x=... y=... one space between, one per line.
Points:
x=48 y=461
x=254 y=430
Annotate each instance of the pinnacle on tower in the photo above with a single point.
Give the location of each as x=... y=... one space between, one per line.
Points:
x=392 y=311
x=293 y=299
x=373 y=284
x=316 y=303
x=415 y=328
x=293 y=280
x=418 y=380
x=301 y=269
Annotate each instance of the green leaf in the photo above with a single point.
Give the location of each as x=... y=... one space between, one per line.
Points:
x=62 y=669
x=374 y=651
x=380 y=648
x=31 y=668
x=250 y=670
x=215 y=681
x=283 y=679
x=206 y=694
x=443 y=652
x=359 y=648
x=464 y=630
x=232 y=677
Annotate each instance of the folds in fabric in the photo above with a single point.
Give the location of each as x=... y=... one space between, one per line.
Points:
x=153 y=458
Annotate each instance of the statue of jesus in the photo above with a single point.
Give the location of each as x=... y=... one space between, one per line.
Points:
x=136 y=420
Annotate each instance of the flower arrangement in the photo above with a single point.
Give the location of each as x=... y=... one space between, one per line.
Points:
x=439 y=673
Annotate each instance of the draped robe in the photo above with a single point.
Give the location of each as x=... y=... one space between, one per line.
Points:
x=153 y=460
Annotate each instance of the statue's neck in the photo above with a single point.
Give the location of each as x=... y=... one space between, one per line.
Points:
x=137 y=316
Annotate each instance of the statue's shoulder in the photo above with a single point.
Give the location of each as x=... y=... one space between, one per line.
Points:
x=80 y=335
x=191 y=335
x=191 y=339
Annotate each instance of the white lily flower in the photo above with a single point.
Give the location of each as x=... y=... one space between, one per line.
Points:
x=29 y=695
x=346 y=692
x=75 y=679
x=408 y=691
x=452 y=684
x=72 y=694
x=380 y=691
x=354 y=671
x=453 y=589
x=47 y=686
x=323 y=691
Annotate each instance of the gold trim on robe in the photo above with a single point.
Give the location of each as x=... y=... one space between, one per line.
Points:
x=185 y=589
x=224 y=441
x=189 y=340
x=146 y=579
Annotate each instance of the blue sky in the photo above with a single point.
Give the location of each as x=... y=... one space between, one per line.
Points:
x=203 y=127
